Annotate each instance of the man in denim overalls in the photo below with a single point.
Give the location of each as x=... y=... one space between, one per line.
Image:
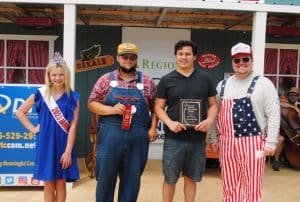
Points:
x=123 y=98
x=248 y=125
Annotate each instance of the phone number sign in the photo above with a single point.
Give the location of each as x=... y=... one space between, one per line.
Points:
x=17 y=144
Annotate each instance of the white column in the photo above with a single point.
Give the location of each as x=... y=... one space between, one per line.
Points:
x=69 y=44
x=259 y=41
x=70 y=39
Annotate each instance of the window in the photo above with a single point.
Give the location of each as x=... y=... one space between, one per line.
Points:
x=1 y=61
x=282 y=65
x=23 y=58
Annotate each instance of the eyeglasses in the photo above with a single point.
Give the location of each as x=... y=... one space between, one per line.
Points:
x=292 y=95
x=130 y=57
x=238 y=60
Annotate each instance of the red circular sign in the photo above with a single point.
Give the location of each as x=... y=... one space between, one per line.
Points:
x=209 y=60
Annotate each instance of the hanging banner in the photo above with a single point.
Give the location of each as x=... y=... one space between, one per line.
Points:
x=283 y=2
x=17 y=144
x=155 y=48
x=155 y=58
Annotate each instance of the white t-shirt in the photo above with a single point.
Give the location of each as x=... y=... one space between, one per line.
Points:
x=264 y=100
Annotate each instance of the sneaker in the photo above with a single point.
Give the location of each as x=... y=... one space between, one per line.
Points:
x=276 y=166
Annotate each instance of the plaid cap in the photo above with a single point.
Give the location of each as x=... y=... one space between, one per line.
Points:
x=127 y=48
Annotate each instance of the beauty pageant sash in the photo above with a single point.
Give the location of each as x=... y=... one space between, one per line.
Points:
x=55 y=111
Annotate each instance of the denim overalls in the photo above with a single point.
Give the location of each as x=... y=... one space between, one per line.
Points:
x=122 y=153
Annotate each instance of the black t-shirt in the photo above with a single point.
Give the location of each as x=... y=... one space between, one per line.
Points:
x=175 y=86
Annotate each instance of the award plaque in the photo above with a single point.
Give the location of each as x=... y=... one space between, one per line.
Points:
x=190 y=112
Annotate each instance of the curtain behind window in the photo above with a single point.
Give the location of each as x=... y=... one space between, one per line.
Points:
x=1 y=61
x=16 y=57
x=38 y=57
x=271 y=56
x=288 y=61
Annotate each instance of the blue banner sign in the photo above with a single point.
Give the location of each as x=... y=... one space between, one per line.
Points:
x=283 y=2
x=17 y=144
x=238 y=1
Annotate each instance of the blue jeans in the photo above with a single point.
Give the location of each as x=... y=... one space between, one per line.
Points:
x=120 y=153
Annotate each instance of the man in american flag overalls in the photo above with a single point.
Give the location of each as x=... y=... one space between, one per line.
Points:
x=247 y=124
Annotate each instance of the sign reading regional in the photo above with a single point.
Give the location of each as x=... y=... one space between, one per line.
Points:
x=17 y=145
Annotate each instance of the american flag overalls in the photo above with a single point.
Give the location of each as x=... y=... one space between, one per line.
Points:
x=241 y=148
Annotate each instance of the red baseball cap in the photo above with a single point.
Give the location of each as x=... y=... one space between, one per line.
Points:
x=241 y=49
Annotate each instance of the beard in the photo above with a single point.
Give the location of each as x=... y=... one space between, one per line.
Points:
x=128 y=71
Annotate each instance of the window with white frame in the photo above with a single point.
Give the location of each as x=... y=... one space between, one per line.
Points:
x=23 y=58
x=282 y=65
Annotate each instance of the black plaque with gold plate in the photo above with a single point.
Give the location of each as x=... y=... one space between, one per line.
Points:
x=190 y=113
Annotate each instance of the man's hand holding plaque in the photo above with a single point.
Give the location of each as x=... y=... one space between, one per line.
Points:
x=190 y=112
x=204 y=125
x=176 y=126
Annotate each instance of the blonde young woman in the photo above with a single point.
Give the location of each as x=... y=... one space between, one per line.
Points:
x=58 y=108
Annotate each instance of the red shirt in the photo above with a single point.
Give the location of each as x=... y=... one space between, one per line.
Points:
x=101 y=87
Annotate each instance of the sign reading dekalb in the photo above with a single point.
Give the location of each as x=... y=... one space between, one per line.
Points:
x=91 y=59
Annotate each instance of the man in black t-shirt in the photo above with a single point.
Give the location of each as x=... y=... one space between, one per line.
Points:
x=184 y=147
